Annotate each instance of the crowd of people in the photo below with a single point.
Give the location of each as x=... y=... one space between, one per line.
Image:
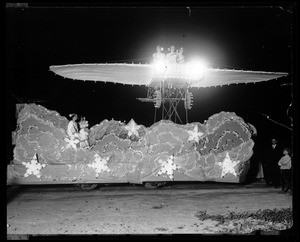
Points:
x=173 y=57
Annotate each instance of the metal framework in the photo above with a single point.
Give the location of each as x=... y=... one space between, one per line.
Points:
x=166 y=97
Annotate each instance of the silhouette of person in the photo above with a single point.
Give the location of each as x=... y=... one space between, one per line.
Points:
x=172 y=55
x=83 y=133
x=158 y=55
x=274 y=153
x=285 y=164
x=180 y=57
x=72 y=129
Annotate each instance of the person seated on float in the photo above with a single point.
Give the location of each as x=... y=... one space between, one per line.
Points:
x=180 y=57
x=83 y=133
x=172 y=55
x=158 y=55
x=72 y=129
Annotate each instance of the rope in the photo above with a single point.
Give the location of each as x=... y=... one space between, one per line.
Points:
x=268 y=117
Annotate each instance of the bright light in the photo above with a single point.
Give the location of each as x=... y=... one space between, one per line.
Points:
x=195 y=69
x=159 y=67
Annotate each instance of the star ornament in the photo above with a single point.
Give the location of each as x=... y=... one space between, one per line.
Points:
x=168 y=167
x=99 y=164
x=228 y=166
x=132 y=128
x=71 y=143
x=194 y=135
x=33 y=167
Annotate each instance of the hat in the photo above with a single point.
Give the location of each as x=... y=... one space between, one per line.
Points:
x=71 y=115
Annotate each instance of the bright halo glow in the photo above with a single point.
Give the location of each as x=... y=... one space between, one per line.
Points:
x=195 y=69
x=159 y=67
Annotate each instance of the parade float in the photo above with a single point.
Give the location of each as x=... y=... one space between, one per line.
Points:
x=116 y=152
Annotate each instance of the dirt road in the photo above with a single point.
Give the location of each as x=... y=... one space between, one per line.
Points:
x=56 y=210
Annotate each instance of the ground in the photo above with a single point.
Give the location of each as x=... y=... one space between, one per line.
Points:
x=129 y=209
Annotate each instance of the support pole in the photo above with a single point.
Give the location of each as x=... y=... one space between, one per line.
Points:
x=154 y=114
x=186 y=115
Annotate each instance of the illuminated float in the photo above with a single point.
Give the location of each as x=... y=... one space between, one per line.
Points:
x=217 y=150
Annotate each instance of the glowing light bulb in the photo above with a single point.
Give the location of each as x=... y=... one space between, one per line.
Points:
x=159 y=67
x=195 y=69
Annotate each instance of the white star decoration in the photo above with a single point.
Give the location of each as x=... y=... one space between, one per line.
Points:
x=228 y=166
x=71 y=143
x=194 y=135
x=132 y=128
x=100 y=164
x=167 y=167
x=33 y=167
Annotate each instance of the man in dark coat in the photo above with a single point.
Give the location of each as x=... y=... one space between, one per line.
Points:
x=273 y=155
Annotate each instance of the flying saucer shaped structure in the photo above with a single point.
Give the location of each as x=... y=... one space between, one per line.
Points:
x=144 y=74
x=168 y=83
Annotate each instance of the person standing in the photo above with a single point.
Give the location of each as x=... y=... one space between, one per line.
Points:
x=72 y=129
x=285 y=164
x=180 y=57
x=83 y=133
x=172 y=55
x=159 y=55
x=272 y=174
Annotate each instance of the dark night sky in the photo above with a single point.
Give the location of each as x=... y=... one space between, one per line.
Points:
x=233 y=37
